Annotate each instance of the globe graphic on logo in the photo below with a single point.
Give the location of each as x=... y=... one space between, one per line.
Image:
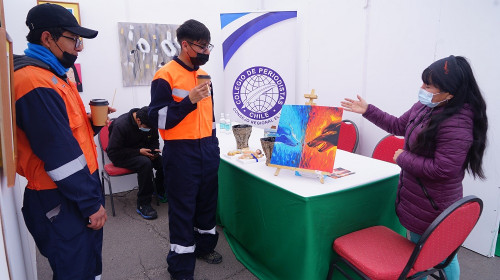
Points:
x=259 y=93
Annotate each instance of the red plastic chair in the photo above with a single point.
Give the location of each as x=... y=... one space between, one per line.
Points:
x=109 y=170
x=387 y=146
x=379 y=253
x=348 y=136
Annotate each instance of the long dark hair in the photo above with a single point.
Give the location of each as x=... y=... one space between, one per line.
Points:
x=465 y=90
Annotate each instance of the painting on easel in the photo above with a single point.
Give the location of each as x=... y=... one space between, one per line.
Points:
x=307 y=137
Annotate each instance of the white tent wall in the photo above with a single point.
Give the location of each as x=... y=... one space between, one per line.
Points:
x=377 y=49
x=19 y=246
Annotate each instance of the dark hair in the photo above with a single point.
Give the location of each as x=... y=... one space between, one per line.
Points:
x=193 y=30
x=35 y=35
x=465 y=91
x=142 y=114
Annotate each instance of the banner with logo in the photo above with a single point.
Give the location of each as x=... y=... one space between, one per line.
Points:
x=259 y=50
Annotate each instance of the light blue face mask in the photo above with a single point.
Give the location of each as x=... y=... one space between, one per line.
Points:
x=425 y=98
x=144 y=129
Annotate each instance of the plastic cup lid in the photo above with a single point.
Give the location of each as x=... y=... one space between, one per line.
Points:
x=99 y=102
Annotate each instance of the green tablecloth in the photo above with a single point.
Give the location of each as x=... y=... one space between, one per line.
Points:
x=277 y=234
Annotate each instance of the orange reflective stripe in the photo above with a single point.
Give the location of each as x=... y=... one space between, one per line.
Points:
x=28 y=164
x=197 y=124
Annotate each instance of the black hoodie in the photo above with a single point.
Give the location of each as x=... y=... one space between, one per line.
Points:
x=126 y=140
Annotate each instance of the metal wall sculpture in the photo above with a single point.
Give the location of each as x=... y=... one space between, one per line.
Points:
x=144 y=48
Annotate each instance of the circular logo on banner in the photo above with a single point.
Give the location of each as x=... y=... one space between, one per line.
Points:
x=259 y=93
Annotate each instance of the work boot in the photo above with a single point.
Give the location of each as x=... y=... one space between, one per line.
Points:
x=147 y=212
x=211 y=258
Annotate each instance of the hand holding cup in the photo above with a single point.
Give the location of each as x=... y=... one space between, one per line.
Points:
x=199 y=92
x=202 y=90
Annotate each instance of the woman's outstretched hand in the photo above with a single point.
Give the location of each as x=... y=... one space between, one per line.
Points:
x=357 y=106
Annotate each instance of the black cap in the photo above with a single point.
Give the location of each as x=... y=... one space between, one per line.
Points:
x=53 y=15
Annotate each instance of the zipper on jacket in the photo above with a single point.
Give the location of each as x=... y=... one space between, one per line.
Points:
x=416 y=124
x=427 y=194
x=407 y=144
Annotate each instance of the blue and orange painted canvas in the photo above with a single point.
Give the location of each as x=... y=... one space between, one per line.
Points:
x=307 y=137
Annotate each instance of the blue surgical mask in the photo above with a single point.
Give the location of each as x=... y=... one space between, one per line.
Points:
x=425 y=98
x=144 y=129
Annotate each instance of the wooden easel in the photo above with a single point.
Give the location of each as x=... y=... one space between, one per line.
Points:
x=321 y=174
x=311 y=97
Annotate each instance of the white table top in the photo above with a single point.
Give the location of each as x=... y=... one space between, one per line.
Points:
x=367 y=170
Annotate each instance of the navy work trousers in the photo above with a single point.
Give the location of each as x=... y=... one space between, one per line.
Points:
x=74 y=250
x=144 y=168
x=191 y=168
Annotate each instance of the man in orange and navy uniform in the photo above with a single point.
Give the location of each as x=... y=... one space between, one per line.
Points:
x=184 y=114
x=63 y=202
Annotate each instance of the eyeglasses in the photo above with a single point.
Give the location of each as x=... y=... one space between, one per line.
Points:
x=203 y=48
x=78 y=41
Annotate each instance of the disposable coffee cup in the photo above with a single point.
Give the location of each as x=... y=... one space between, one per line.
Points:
x=203 y=79
x=99 y=111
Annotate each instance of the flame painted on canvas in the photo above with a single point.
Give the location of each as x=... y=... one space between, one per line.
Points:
x=307 y=137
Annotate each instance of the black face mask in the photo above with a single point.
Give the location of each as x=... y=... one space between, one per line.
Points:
x=68 y=60
x=200 y=59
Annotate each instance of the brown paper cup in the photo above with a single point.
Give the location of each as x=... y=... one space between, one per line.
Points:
x=203 y=79
x=99 y=111
x=242 y=134
x=267 y=145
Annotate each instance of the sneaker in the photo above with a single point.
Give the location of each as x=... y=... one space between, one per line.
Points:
x=211 y=258
x=147 y=212
x=163 y=198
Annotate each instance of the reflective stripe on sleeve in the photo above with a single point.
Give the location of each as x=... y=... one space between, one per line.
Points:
x=68 y=169
x=162 y=117
x=181 y=249
x=181 y=93
x=210 y=231
x=213 y=125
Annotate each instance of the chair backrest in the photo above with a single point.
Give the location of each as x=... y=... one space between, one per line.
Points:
x=387 y=146
x=348 y=136
x=104 y=141
x=446 y=234
x=104 y=137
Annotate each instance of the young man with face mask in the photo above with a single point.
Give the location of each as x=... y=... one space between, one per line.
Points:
x=183 y=113
x=135 y=146
x=63 y=201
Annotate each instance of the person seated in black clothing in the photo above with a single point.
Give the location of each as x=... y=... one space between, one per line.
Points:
x=133 y=145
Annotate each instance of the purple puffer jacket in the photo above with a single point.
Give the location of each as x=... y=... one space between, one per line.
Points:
x=429 y=181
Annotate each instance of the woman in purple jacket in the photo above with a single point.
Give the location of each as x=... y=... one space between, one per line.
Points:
x=445 y=135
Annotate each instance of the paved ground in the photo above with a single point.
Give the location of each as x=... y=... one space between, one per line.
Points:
x=135 y=249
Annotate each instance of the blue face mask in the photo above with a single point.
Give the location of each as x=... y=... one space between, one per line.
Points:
x=425 y=98
x=144 y=129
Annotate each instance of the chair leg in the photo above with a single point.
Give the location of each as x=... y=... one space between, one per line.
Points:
x=330 y=270
x=111 y=195
x=335 y=264
x=155 y=190
x=442 y=275
x=102 y=182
